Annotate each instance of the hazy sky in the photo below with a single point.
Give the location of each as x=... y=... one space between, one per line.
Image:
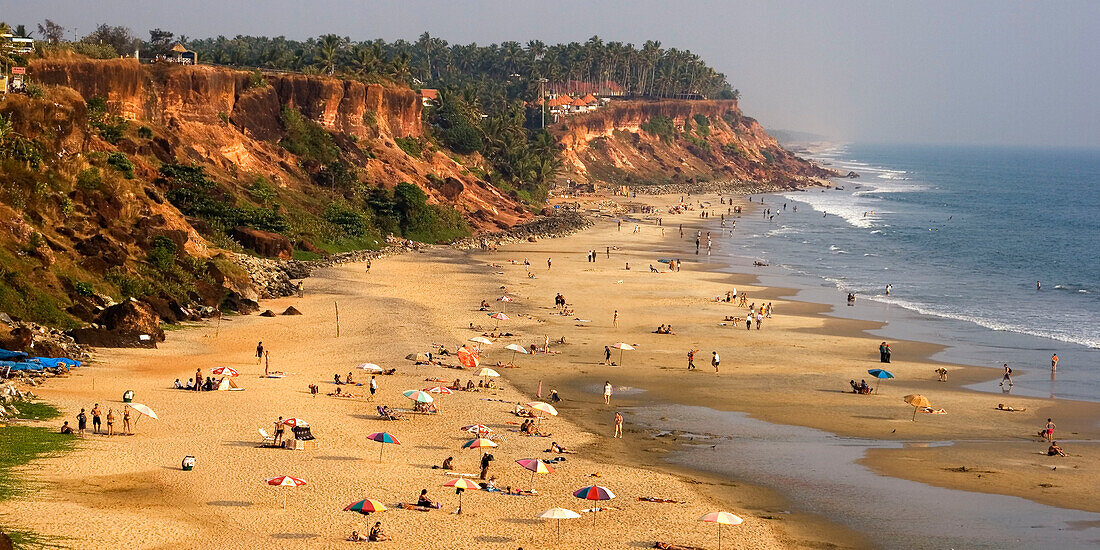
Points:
x=995 y=72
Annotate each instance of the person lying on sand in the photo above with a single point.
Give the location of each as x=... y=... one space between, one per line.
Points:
x=356 y=537
x=1003 y=407
x=555 y=448
x=1055 y=449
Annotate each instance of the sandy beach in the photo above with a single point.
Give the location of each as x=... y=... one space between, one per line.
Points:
x=129 y=491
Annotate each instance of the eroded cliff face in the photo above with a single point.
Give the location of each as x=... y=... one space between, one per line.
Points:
x=610 y=146
x=214 y=116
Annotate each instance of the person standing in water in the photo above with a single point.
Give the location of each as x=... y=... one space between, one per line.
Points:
x=618 y=425
x=889 y=287
x=607 y=393
x=1054 y=362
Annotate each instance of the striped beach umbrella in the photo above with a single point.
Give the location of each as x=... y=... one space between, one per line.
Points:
x=461 y=485
x=418 y=396
x=477 y=428
x=441 y=390
x=295 y=422
x=515 y=349
x=479 y=443
x=504 y=300
x=468 y=357
x=383 y=438
x=594 y=492
x=224 y=371
x=366 y=507
x=543 y=408
x=880 y=375
x=486 y=371
x=536 y=466
x=721 y=518
x=481 y=340
x=499 y=316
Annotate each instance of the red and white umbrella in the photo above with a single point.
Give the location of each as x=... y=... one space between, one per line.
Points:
x=441 y=390
x=224 y=371
x=721 y=518
x=285 y=481
x=499 y=316
x=516 y=348
x=477 y=428
x=505 y=300
x=295 y=423
x=621 y=346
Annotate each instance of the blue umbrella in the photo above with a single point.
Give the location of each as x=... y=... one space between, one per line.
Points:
x=881 y=374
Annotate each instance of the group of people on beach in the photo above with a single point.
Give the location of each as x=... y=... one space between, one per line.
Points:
x=98 y=419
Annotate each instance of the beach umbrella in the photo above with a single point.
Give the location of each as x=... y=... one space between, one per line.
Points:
x=295 y=423
x=545 y=408
x=441 y=390
x=594 y=492
x=417 y=357
x=418 y=396
x=460 y=485
x=366 y=507
x=146 y=411
x=486 y=371
x=917 y=401
x=536 y=466
x=481 y=340
x=476 y=428
x=558 y=514
x=369 y=367
x=467 y=357
x=515 y=349
x=505 y=300
x=479 y=443
x=383 y=438
x=721 y=518
x=622 y=346
x=285 y=481
x=880 y=374
x=499 y=316
x=224 y=371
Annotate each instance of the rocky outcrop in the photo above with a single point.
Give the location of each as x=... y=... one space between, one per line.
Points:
x=266 y=243
x=557 y=224
x=610 y=146
x=130 y=324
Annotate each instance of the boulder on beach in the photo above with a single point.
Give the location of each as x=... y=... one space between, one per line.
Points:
x=267 y=313
x=291 y=311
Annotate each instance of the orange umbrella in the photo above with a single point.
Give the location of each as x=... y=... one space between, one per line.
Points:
x=468 y=357
x=460 y=485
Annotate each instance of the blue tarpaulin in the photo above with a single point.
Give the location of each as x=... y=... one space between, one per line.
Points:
x=54 y=362
x=21 y=365
x=6 y=355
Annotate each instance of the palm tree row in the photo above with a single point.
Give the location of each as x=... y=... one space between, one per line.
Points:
x=648 y=71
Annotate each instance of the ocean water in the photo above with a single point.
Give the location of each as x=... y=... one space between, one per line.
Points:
x=962 y=234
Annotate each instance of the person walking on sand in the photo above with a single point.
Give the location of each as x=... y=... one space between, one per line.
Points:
x=615 y=319
x=1007 y=377
x=301 y=291
x=548 y=264
x=715 y=361
x=1054 y=362
x=126 y=429
x=96 y=420
x=607 y=393
x=110 y=422
x=882 y=352
x=81 y=422
x=618 y=425
x=606 y=355
x=691 y=359
x=373 y=388
x=259 y=352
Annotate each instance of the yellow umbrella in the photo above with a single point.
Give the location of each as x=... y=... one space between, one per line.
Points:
x=461 y=485
x=917 y=401
x=721 y=518
x=559 y=514
x=486 y=371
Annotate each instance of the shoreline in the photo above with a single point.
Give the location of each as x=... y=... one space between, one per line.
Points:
x=1076 y=413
